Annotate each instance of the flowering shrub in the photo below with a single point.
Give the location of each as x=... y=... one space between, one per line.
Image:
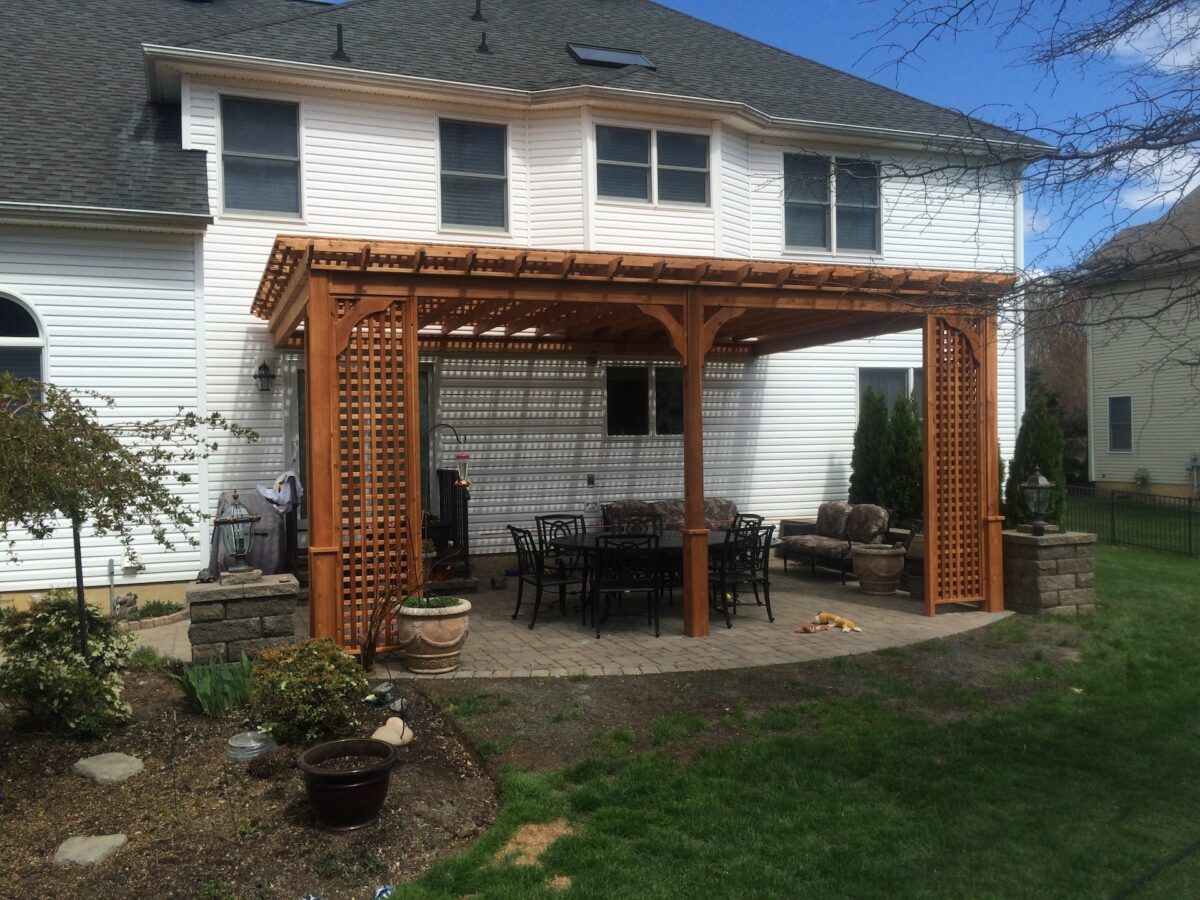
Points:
x=308 y=691
x=44 y=674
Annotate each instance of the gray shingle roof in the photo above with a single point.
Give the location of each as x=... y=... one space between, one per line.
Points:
x=1169 y=243
x=77 y=127
x=72 y=76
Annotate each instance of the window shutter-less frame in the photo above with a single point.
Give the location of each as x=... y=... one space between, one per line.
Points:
x=474 y=174
x=260 y=155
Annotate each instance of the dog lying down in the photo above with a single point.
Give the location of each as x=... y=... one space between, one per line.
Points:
x=824 y=622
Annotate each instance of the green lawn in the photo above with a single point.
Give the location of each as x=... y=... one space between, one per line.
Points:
x=1077 y=789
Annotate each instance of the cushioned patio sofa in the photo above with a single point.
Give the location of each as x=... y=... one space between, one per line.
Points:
x=718 y=511
x=830 y=540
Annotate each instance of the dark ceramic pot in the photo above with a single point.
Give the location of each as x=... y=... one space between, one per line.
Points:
x=345 y=800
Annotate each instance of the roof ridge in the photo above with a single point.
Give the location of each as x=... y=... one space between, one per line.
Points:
x=322 y=7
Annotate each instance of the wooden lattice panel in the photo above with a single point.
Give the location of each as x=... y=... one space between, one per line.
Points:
x=374 y=489
x=955 y=507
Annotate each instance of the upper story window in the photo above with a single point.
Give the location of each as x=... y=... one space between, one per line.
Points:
x=830 y=204
x=1120 y=424
x=260 y=156
x=651 y=165
x=21 y=342
x=474 y=174
x=643 y=400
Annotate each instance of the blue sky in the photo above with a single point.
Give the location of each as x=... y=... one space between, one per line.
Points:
x=968 y=72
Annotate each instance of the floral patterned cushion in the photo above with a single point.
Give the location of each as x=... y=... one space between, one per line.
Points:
x=816 y=545
x=719 y=512
x=623 y=509
x=671 y=512
x=867 y=524
x=831 y=519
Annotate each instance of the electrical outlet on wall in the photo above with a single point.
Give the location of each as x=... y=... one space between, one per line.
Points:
x=591 y=507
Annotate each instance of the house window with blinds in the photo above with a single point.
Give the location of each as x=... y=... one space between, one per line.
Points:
x=21 y=343
x=1120 y=424
x=892 y=384
x=474 y=175
x=260 y=156
x=651 y=166
x=830 y=204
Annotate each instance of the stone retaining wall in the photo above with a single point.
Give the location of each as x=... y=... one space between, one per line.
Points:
x=1053 y=573
x=229 y=619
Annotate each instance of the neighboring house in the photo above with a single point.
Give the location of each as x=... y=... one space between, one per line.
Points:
x=153 y=150
x=1144 y=356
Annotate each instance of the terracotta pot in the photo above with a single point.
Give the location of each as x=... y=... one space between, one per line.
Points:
x=432 y=639
x=343 y=801
x=878 y=568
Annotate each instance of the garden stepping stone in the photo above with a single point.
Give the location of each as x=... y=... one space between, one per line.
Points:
x=109 y=768
x=88 y=851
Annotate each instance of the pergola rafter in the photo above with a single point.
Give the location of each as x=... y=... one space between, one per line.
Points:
x=364 y=311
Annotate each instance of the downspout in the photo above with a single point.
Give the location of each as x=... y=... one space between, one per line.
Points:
x=1019 y=265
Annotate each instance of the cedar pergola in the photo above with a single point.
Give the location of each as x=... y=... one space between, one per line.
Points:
x=363 y=312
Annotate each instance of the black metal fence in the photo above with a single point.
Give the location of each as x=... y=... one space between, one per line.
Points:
x=1171 y=524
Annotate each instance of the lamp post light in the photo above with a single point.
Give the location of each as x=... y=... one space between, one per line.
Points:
x=1037 y=498
x=236 y=529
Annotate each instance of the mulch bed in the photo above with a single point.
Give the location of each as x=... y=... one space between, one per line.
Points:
x=200 y=825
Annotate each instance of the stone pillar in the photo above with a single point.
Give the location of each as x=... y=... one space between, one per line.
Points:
x=230 y=618
x=1053 y=573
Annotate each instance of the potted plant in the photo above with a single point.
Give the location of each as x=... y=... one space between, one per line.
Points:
x=878 y=567
x=431 y=630
x=347 y=781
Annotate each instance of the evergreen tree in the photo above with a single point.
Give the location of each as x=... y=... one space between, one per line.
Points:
x=901 y=487
x=871 y=448
x=1039 y=443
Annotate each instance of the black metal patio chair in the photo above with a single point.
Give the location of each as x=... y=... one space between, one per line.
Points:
x=743 y=561
x=532 y=570
x=626 y=564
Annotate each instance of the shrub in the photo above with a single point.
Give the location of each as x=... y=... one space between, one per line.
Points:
x=430 y=602
x=900 y=489
x=44 y=674
x=216 y=687
x=308 y=691
x=152 y=609
x=1039 y=443
x=870 y=448
x=147 y=659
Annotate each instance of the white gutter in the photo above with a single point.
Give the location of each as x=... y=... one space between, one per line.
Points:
x=59 y=213
x=217 y=63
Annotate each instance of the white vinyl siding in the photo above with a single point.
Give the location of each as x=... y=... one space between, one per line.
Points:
x=118 y=311
x=778 y=433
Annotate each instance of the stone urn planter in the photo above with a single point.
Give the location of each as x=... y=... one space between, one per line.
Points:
x=432 y=637
x=347 y=781
x=878 y=568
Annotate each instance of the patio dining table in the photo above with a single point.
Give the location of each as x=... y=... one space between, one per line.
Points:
x=670 y=542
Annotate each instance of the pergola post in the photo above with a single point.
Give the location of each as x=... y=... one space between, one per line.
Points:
x=695 y=534
x=324 y=502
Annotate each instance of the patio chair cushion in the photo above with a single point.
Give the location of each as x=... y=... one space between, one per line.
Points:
x=814 y=545
x=866 y=524
x=719 y=512
x=831 y=519
x=623 y=509
x=671 y=512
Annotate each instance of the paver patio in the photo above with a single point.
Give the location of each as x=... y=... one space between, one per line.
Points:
x=560 y=646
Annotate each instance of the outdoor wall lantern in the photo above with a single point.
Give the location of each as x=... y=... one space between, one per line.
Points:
x=263 y=376
x=1037 y=498
x=236 y=529
x=462 y=458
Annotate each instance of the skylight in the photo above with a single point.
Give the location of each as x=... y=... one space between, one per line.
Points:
x=609 y=56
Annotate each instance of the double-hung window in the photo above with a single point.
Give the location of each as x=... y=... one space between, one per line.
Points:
x=1120 y=424
x=893 y=383
x=643 y=400
x=651 y=165
x=830 y=204
x=474 y=174
x=260 y=156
